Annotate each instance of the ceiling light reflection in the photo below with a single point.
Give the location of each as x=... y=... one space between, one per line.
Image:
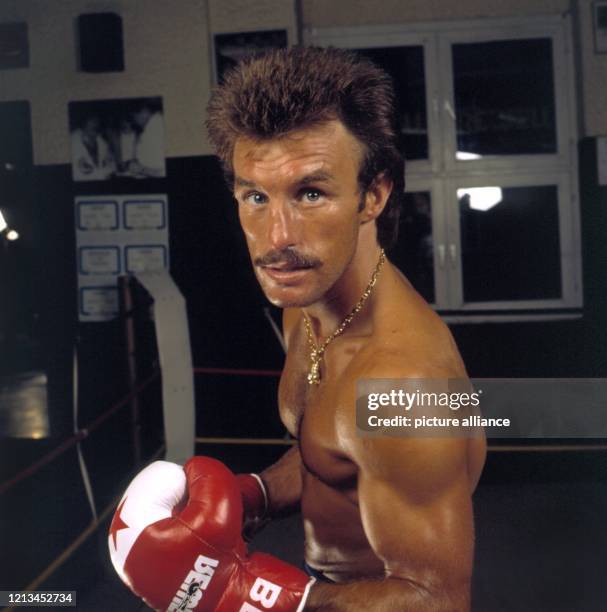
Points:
x=481 y=198
x=466 y=155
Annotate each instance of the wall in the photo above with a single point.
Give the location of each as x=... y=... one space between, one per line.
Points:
x=245 y=16
x=320 y=13
x=167 y=53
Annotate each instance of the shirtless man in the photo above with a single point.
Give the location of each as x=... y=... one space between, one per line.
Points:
x=307 y=140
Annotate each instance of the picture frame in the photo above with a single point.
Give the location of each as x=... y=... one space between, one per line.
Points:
x=117 y=139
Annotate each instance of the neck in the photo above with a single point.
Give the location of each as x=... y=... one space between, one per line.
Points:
x=329 y=312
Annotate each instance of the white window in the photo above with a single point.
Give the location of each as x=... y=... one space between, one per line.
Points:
x=487 y=109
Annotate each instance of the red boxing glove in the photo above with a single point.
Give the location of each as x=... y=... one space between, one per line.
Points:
x=175 y=541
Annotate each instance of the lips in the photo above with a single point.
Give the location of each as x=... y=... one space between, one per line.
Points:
x=284 y=274
x=285 y=267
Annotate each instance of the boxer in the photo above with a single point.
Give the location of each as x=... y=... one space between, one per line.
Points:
x=308 y=142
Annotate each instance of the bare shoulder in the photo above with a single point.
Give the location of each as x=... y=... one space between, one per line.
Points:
x=415 y=344
x=409 y=336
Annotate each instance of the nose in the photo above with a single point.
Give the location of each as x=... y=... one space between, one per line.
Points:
x=283 y=227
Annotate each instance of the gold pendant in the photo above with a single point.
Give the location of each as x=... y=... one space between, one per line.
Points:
x=314 y=374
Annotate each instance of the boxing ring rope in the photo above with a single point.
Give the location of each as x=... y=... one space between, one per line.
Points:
x=238 y=372
x=497 y=448
x=504 y=448
x=77 y=437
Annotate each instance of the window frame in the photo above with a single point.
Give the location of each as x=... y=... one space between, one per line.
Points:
x=439 y=233
x=569 y=261
x=442 y=173
x=564 y=104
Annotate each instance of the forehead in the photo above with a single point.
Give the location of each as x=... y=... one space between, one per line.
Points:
x=328 y=147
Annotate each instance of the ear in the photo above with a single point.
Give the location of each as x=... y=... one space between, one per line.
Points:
x=375 y=198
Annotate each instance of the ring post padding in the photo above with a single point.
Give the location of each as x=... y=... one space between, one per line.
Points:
x=173 y=339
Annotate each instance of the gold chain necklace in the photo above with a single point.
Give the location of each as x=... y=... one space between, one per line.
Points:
x=317 y=352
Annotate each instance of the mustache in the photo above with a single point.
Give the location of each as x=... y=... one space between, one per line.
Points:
x=289 y=257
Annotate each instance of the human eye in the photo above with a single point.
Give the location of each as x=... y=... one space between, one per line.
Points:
x=254 y=197
x=311 y=195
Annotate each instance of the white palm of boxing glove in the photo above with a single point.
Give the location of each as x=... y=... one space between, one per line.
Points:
x=175 y=541
x=150 y=497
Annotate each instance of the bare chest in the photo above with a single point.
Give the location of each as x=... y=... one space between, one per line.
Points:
x=313 y=414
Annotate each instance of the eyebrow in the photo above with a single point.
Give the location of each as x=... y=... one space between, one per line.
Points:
x=318 y=177
x=240 y=182
x=308 y=179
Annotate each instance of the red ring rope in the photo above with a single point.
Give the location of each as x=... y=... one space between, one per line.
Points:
x=74 y=439
x=236 y=372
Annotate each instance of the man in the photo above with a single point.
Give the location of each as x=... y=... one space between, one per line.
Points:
x=149 y=142
x=92 y=159
x=308 y=142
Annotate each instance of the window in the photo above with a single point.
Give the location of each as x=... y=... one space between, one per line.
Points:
x=487 y=112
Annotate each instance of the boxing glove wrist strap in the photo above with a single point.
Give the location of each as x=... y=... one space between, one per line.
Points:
x=264 y=492
x=254 y=496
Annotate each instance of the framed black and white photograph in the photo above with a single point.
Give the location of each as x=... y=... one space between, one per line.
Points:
x=599 y=10
x=117 y=138
x=231 y=48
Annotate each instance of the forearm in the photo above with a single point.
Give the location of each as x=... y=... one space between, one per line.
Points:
x=384 y=596
x=283 y=484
